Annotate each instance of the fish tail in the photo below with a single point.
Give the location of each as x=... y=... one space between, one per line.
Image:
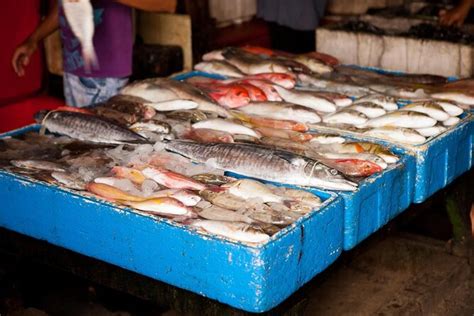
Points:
x=90 y=58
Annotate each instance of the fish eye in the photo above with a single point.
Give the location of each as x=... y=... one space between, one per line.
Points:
x=334 y=172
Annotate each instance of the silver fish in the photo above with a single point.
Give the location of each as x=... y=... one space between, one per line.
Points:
x=234 y=230
x=429 y=108
x=251 y=64
x=431 y=131
x=249 y=189
x=313 y=64
x=402 y=119
x=457 y=97
x=368 y=108
x=164 y=89
x=332 y=86
x=264 y=163
x=282 y=111
x=306 y=99
x=449 y=107
x=451 y=121
x=152 y=126
x=80 y=17
x=226 y=126
x=387 y=102
x=69 y=180
x=398 y=134
x=217 y=213
x=346 y=116
x=89 y=128
x=38 y=165
x=219 y=67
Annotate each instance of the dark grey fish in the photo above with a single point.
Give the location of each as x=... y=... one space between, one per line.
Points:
x=89 y=128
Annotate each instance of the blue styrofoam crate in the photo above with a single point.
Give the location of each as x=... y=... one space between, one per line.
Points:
x=252 y=278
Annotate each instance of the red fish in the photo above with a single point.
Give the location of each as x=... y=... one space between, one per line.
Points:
x=259 y=121
x=354 y=167
x=231 y=96
x=172 y=179
x=73 y=109
x=282 y=79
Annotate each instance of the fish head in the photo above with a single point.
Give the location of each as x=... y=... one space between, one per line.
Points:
x=40 y=115
x=236 y=97
x=328 y=178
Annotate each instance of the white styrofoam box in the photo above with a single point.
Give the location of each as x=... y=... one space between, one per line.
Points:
x=358 y=6
x=232 y=12
x=397 y=53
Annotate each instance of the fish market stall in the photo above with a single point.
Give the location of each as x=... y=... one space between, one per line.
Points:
x=240 y=181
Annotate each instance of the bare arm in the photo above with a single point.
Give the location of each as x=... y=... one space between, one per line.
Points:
x=151 y=5
x=21 y=56
x=457 y=15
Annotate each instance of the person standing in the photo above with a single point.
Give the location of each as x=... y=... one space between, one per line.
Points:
x=113 y=42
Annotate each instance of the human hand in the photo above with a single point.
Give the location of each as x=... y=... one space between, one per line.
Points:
x=21 y=56
x=455 y=16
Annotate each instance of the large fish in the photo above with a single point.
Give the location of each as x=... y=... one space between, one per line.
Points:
x=88 y=128
x=158 y=90
x=80 y=17
x=332 y=86
x=264 y=163
x=219 y=67
x=282 y=111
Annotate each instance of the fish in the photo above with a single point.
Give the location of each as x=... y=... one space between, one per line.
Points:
x=348 y=156
x=186 y=197
x=173 y=105
x=227 y=95
x=453 y=96
x=332 y=86
x=134 y=175
x=212 y=179
x=115 y=116
x=219 y=67
x=259 y=121
x=264 y=163
x=371 y=110
x=387 y=102
x=282 y=133
x=238 y=231
x=111 y=192
x=285 y=80
x=187 y=115
x=152 y=126
x=131 y=105
x=88 y=128
x=398 y=134
x=217 y=213
x=306 y=99
x=449 y=107
x=80 y=17
x=315 y=65
x=404 y=119
x=340 y=100
x=164 y=89
x=206 y=135
x=213 y=55
x=252 y=189
x=162 y=206
x=453 y=120
x=429 y=108
x=69 y=180
x=431 y=131
x=250 y=64
x=376 y=149
x=352 y=167
x=172 y=179
x=226 y=200
x=346 y=116
x=268 y=215
x=282 y=111
x=226 y=126
x=326 y=139
x=38 y=165
x=303 y=197
x=270 y=93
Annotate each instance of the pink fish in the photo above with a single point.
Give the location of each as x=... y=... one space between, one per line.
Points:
x=172 y=179
x=205 y=135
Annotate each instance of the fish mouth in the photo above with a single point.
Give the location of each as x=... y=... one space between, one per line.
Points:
x=336 y=184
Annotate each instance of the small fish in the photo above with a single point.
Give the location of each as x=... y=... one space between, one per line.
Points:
x=378 y=150
x=69 y=180
x=431 y=131
x=340 y=100
x=306 y=99
x=267 y=87
x=134 y=175
x=111 y=193
x=225 y=200
x=212 y=179
x=173 y=105
x=355 y=156
x=217 y=213
x=243 y=232
x=353 y=167
x=227 y=95
x=38 y=165
x=457 y=97
x=450 y=108
x=303 y=196
x=453 y=120
x=387 y=102
x=398 y=134
x=282 y=111
x=326 y=139
x=371 y=110
x=186 y=197
x=151 y=126
x=313 y=64
x=251 y=189
x=346 y=116
x=220 y=67
x=206 y=135
x=213 y=55
x=429 y=108
x=172 y=179
x=286 y=134
x=226 y=126
x=162 y=206
x=131 y=105
x=259 y=121
x=255 y=93
x=404 y=119
x=80 y=17
x=187 y=115
x=285 y=80
x=89 y=128
x=331 y=86
x=251 y=64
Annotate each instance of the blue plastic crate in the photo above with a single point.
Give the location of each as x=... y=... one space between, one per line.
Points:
x=252 y=278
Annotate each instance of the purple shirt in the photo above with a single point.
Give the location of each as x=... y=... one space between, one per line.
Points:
x=112 y=41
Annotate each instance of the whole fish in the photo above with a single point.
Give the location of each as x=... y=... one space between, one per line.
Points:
x=259 y=121
x=230 y=95
x=222 y=214
x=458 y=97
x=131 y=105
x=340 y=100
x=371 y=110
x=162 y=206
x=282 y=111
x=375 y=149
x=88 y=128
x=450 y=108
x=251 y=189
x=250 y=64
x=219 y=67
x=187 y=115
x=111 y=192
x=134 y=175
x=264 y=163
x=326 y=139
x=267 y=87
x=346 y=116
x=255 y=93
x=206 y=135
x=402 y=119
x=212 y=179
x=354 y=156
x=80 y=17
x=238 y=231
x=431 y=131
x=451 y=121
x=352 y=166
x=306 y=99
x=398 y=134
x=303 y=196
x=227 y=200
x=172 y=179
x=387 y=102
x=286 y=134
x=186 y=197
x=226 y=126
x=69 y=180
x=164 y=89
x=430 y=108
x=151 y=126
x=285 y=80
x=332 y=86
x=313 y=64
x=173 y=105
x=38 y=165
